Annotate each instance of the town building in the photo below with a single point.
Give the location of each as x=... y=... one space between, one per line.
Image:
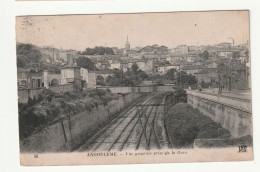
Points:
x=30 y=80
x=192 y=69
x=224 y=46
x=145 y=65
x=23 y=78
x=208 y=75
x=115 y=65
x=88 y=78
x=91 y=82
x=225 y=54
x=51 y=79
x=127 y=46
x=182 y=49
x=70 y=74
x=161 y=70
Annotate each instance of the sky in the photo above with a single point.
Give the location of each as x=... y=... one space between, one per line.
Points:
x=170 y=29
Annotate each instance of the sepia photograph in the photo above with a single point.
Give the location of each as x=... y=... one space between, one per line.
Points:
x=134 y=88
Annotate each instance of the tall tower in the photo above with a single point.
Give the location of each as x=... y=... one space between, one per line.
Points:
x=127 y=45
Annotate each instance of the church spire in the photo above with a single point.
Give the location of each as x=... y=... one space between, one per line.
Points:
x=127 y=44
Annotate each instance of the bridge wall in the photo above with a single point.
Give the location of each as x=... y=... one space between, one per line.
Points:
x=232 y=113
x=141 y=89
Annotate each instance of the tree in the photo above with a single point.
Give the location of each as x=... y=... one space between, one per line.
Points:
x=170 y=75
x=21 y=62
x=135 y=67
x=118 y=73
x=142 y=75
x=98 y=50
x=27 y=54
x=225 y=75
x=86 y=63
x=110 y=81
x=128 y=82
x=100 y=80
x=204 y=55
x=179 y=95
x=186 y=79
x=235 y=55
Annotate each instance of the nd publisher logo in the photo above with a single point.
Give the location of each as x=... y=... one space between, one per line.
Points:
x=242 y=148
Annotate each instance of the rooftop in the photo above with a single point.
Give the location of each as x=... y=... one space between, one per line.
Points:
x=104 y=72
x=191 y=67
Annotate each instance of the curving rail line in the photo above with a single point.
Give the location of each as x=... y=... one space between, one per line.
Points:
x=134 y=127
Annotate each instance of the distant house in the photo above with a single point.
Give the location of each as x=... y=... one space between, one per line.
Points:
x=212 y=65
x=124 y=66
x=182 y=49
x=104 y=73
x=190 y=59
x=239 y=72
x=224 y=46
x=145 y=65
x=29 y=80
x=89 y=77
x=161 y=70
x=115 y=65
x=192 y=69
x=243 y=59
x=225 y=54
x=23 y=78
x=36 y=80
x=207 y=75
x=71 y=74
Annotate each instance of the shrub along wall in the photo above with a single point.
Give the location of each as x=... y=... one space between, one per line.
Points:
x=184 y=124
x=70 y=131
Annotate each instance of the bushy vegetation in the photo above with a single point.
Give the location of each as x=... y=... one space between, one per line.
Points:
x=186 y=79
x=86 y=63
x=184 y=124
x=51 y=106
x=179 y=95
x=204 y=55
x=30 y=57
x=27 y=54
x=173 y=76
x=98 y=50
x=128 y=78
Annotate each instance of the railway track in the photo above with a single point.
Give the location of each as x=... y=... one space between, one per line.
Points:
x=131 y=129
x=126 y=111
x=148 y=131
x=134 y=124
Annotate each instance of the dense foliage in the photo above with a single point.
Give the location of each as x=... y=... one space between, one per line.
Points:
x=178 y=96
x=98 y=50
x=86 y=63
x=51 y=106
x=186 y=79
x=100 y=80
x=235 y=55
x=154 y=49
x=173 y=76
x=27 y=55
x=129 y=78
x=170 y=75
x=204 y=55
x=184 y=124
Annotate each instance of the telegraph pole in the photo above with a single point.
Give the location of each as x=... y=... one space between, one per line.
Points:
x=180 y=78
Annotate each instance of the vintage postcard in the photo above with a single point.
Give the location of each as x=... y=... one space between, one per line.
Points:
x=134 y=88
